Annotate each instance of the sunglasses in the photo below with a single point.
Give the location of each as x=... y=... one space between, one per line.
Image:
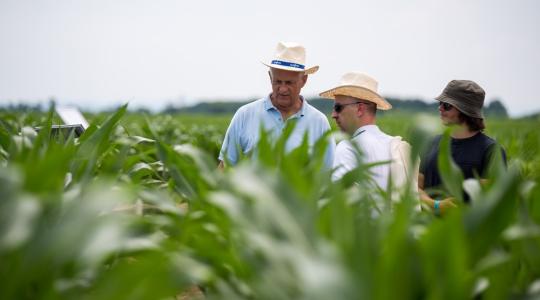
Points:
x=445 y=106
x=338 y=107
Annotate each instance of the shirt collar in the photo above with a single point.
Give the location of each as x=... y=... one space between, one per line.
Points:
x=369 y=128
x=268 y=103
x=268 y=106
x=302 y=110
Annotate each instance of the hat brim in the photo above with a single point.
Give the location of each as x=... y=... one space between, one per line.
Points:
x=357 y=92
x=459 y=106
x=307 y=71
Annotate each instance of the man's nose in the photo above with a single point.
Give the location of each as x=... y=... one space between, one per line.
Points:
x=334 y=114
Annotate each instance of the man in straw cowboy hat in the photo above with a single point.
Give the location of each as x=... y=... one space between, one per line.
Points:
x=288 y=75
x=460 y=105
x=355 y=109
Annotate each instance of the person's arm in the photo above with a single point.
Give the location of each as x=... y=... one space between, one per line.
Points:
x=329 y=155
x=488 y=163
x=229 y=148
x=344 y=160
x=425 y=199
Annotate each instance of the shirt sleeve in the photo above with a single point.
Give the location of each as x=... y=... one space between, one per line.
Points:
x=344 y=160
x=231 y=142
x=488 y=157
x=330 y=149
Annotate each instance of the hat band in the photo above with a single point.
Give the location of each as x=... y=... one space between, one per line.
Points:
x=288 y=64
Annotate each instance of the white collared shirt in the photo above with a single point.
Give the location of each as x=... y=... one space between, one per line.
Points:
x=375 y=147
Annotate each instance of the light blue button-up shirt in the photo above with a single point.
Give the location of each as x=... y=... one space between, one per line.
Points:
x=243 y=132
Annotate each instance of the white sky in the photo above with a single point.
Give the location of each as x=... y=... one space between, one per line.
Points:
x=99 y=53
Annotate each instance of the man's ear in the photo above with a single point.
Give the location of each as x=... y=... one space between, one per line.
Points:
x=270 y=75
x=304 y=80
x=360 y=110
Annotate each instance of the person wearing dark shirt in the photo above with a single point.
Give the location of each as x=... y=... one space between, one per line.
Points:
x=460 y=105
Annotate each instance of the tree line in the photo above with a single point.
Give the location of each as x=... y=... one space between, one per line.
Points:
x=494 y=108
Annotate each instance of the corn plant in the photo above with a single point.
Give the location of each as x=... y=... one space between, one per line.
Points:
x=136 y=209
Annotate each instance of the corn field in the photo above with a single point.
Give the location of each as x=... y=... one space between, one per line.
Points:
x=136 y=208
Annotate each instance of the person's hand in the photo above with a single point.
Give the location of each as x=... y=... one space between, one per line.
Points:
x=446 y=204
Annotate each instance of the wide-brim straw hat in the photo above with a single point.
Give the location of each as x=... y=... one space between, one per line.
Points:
x=358 y=85
x=291 y=57
x=466 y=96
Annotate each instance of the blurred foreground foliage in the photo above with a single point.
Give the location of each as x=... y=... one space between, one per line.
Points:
x=135 y=209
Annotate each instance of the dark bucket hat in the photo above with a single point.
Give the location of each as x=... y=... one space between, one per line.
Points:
x=466 y=96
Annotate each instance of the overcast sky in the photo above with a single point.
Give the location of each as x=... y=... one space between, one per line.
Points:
x=99 y=53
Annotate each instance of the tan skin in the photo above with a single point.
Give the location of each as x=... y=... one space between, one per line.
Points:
x=285 y=96
x=461 y=131
x=286 y=87
x=353 y=116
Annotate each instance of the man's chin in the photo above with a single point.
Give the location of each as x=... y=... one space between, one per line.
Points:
x=284 y=98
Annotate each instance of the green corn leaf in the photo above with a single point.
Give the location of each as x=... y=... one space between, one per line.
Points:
x=450 y=173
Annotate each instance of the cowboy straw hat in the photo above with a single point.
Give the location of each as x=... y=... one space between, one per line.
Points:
x=358 y=85
x=291 y=57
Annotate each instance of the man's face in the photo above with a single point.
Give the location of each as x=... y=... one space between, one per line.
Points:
x=449 y=114
x=346 y=113
x=286 y=86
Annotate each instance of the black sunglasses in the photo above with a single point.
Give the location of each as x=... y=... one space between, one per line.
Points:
x=338 y=107
x=445 y=106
